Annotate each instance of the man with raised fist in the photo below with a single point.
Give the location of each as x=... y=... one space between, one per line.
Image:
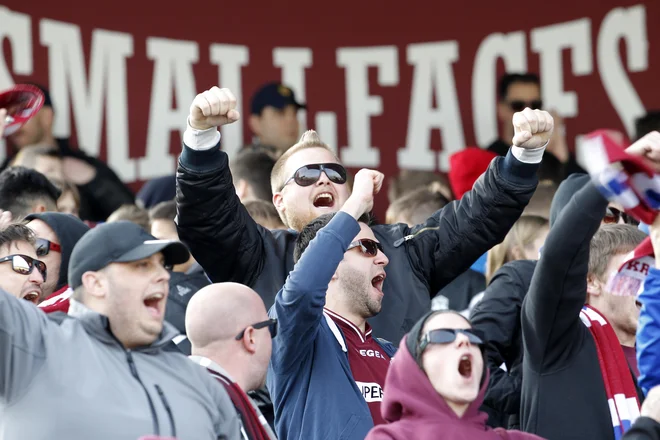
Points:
x=327 y=370
x=308 y=181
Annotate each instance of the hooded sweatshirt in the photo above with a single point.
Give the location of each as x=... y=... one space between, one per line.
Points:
x=69 y=230
x=415 y=410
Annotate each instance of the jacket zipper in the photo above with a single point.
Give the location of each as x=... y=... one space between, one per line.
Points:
x=163 y=399
x=154 y=415
x=400 y=241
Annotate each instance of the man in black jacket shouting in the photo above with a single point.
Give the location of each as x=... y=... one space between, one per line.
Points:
x=308 y=180
x=578 y=336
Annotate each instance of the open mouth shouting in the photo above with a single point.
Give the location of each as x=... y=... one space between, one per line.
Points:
x=465 y=366
x=377 y=282
x=31 y=294
x=324 y=200
x=155 y=303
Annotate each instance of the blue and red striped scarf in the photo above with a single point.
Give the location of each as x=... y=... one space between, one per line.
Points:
x=620 y=389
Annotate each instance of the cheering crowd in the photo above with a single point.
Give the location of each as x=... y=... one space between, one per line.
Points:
x=256 y=297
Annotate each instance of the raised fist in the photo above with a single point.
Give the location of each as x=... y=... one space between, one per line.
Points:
x=213 y=108
x=648 y=148
x=532 y=128
x=366 y=185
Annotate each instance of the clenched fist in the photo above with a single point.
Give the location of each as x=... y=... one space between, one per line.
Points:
x=647 y=148
x=532 y=128
x=213 y=108
x=366 y=185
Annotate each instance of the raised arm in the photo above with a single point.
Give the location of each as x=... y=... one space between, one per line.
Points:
x=558 y=290
x=211 y=219
x=299 y=305
x=22 y=349
x=454 y=237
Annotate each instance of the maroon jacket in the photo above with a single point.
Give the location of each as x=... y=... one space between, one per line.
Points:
x=413 y=409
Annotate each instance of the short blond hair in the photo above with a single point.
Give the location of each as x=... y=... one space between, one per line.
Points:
x=309 y=139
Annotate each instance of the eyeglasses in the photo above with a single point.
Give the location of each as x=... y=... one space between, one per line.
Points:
x=519 y=105
x=310 y=174
x=447 y=335
x=45 y=246
x=271 y=324
x=367 y=246
x=614 y=216
x=25 y=265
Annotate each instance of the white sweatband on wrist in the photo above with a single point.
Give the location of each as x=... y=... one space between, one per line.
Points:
x=201 y=140
x=525 y=155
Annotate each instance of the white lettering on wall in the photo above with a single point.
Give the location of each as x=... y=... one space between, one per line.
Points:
x=106 y=84
x=326 y=126
x=230 y=59
x=173 y=78
x=293 y=61
x=361 y=106
x=628 y=25
x=512 y=50
x=433 y=74
x=550 y=42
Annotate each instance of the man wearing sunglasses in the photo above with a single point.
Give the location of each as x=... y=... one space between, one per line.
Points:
x=21 y=273
x=327 y=369
x=56 y=235
x=308 y=181
x=231 y=336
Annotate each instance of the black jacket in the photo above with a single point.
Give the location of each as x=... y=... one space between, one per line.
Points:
x=644 y=428
x=563 y=396
x=230 y=245
x=497 y=315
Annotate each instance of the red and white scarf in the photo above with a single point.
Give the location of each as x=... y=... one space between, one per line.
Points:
x=619 y=386
x=629 y=279
x=621 y=178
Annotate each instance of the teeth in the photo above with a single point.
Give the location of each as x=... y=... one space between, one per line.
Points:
x=465 y=358
x=324 y=195
x=155 y=296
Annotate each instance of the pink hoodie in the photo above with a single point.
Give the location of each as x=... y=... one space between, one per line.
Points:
x=414 y=410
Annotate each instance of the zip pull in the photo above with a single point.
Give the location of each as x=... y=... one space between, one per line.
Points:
x=400 y=241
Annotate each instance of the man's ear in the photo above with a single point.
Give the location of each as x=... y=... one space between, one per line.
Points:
x=594 y=285
x=95 y=284
x=278 y=201
x=249 y=341
x=241 y=189
x=255 y=124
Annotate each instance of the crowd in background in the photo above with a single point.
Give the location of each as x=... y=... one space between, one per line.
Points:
x=257 y=297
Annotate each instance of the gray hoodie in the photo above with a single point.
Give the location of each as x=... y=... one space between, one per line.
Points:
x=73 y=380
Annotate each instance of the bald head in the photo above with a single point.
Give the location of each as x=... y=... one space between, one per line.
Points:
x=217 y=313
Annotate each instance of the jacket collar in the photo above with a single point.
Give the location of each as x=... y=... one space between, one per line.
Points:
x=211 y=365
x=98 y=326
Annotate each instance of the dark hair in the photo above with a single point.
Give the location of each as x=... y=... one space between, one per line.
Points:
x=21 y=188
x=647 y=123
x=511 y=78
x=312 y=228
x=163 y=211
x=254 y=166
x=16 y=232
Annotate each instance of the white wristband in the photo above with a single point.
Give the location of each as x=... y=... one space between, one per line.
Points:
x=201 y=140
x=525 y=155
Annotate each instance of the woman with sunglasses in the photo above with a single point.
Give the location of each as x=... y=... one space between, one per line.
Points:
x=436 y=383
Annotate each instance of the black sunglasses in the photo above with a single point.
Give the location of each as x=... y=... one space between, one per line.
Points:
x=614 y=216
x=310 y=174
x=25 y=265
x=271 y=324
x=44 y=247
x=447 y=335
x=518 y=105
x=367 y=246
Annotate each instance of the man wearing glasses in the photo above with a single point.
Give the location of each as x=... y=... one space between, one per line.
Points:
x=308 y=181
x=56 y=235
x=327 y=371
x=21 y=274
x=231 y=336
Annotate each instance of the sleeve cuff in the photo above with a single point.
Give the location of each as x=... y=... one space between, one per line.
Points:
x=201 y=139
x=525 y=155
